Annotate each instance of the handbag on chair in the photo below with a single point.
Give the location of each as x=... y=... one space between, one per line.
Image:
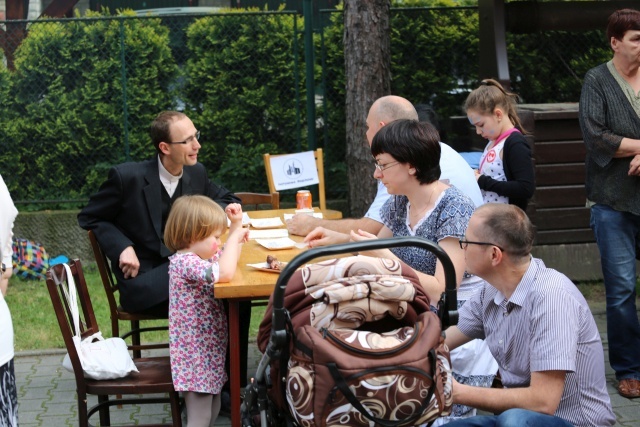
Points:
x=101 y=359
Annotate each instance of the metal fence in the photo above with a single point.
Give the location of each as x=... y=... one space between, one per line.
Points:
x=83 y=91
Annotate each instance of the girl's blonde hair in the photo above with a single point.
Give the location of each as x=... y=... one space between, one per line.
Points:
x=191 y=219
x=491 y=95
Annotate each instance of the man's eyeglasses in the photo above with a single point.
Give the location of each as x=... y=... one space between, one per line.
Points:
x=381 y=168
x=464 y=243
x=188 y=140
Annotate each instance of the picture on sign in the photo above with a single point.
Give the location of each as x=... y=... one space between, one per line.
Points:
x=294 y=170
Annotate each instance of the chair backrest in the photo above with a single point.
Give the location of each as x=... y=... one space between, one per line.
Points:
x=319 y=165
x=58 y=286
x=255 y=199
x=108 y=281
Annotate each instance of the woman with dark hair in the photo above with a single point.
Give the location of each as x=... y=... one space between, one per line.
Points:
x=407 y=156
x=610 y=122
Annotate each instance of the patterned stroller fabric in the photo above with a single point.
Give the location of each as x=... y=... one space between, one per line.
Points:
x=374 y=313
x=347 y=292
x=360 y=378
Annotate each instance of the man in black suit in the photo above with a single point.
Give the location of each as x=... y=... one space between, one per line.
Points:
x=129 y=212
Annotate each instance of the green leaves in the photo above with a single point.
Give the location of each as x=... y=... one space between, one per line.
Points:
x=67 y=98
x=240 y=85
x=71 y=108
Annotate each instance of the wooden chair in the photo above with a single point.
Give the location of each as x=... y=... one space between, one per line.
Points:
x=256 y=199
x=154 y=376
x=116 y=311
x=319 y=165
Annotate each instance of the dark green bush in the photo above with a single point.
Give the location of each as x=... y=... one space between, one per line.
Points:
x=65 y=100
x=244 y=88
x=434 y=59
x=548 y=67
x=241 y=79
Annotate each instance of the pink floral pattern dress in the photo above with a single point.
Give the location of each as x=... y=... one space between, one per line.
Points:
x=198 y=331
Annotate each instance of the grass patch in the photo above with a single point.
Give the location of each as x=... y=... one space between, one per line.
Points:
x=34 y=321
x=593 y=291
x=36 y=328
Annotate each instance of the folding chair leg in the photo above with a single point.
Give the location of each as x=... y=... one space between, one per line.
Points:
x=135 y=338
x=105 y=418
x=176 y=409
x=83 y=421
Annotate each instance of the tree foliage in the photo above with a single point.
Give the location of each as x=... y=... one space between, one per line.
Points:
x=244 y=87
x=66 y=98
x=72 y=108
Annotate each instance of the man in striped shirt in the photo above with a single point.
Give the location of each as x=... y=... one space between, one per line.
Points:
x=539 y=329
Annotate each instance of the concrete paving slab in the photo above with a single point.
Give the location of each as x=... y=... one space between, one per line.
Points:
x=46 y=392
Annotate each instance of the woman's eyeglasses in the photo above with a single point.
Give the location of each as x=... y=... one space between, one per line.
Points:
x=381 y=168
x=464 y=243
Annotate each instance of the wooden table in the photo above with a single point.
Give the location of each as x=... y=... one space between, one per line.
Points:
x=251 y=284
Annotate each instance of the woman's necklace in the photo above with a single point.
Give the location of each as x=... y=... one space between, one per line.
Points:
x=415 y=216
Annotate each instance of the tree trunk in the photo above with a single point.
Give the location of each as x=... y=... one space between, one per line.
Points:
x=367 y=56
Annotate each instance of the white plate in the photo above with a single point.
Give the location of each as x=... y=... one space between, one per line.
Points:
x=273 y=233
x=263 y=266
x=266 y=222
x=274 y=244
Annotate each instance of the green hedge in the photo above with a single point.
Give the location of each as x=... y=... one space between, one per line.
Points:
x=241 y=78
x=244 y=90
x=62 y=107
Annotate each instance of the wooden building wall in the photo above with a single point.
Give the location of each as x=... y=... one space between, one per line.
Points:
x=558 y=207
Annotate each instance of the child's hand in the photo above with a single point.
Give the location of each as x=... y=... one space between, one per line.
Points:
x=240 y=235
x=243 y=235
x=234 y=212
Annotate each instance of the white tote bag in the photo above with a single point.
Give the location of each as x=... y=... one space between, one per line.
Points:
x=101 y=359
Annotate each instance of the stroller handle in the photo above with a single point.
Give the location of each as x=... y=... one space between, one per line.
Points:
x=447 y=306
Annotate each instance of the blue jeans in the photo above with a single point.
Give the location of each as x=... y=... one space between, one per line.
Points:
x=513 y=418
x=617 y=234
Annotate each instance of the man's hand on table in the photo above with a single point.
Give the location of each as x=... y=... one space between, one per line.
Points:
x=302 y=224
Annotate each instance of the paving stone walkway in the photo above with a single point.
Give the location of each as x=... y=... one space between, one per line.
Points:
x=46 y=392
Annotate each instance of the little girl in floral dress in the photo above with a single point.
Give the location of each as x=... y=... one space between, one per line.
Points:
x=198 y=332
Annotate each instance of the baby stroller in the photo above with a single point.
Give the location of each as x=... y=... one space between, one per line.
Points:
x=351 y=341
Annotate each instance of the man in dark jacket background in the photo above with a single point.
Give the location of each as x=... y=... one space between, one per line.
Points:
x=129 y=211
